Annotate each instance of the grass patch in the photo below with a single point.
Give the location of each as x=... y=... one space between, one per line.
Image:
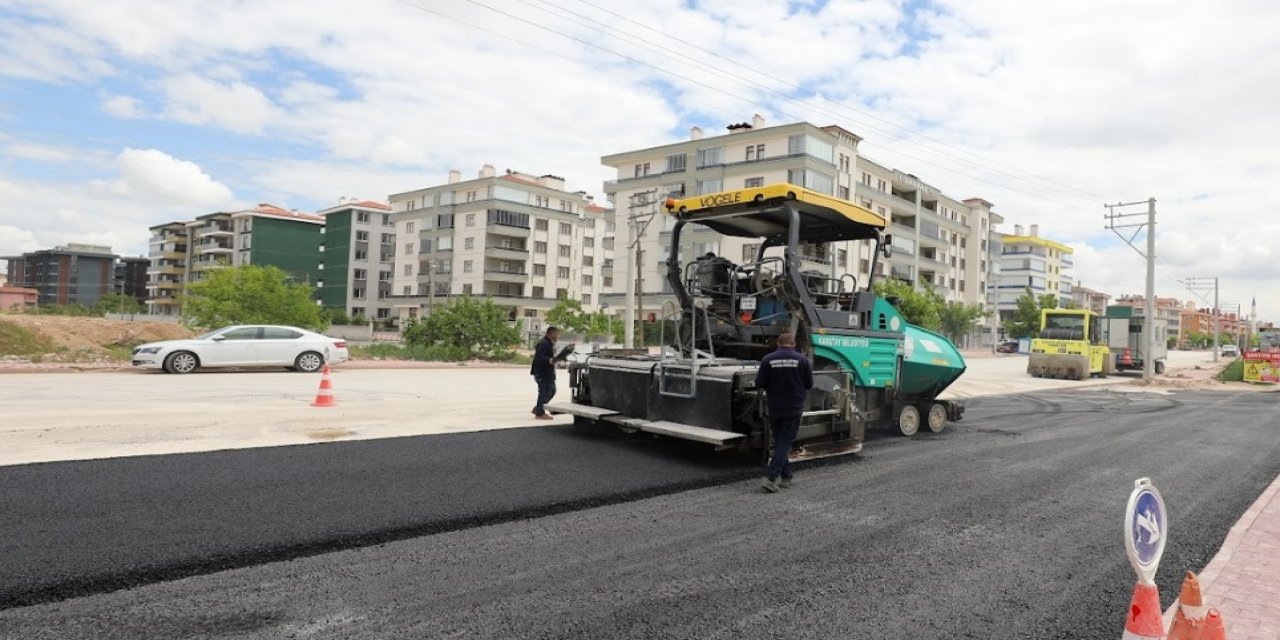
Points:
x=389 y=351
x=20 y=341
x=1233 y=372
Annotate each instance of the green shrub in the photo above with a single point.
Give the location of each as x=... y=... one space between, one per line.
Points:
x=1233 y=372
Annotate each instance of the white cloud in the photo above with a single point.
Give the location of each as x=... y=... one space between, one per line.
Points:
x=14 y=241
x=152 y=176
x=235 y=105
x=122 y=106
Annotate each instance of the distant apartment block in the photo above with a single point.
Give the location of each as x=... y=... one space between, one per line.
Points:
x=938 y=241
x=522 y=240
x=131 y=277
x=1031 y=262
x=1086 y=298
x=184 y=252
x=71 y=274
x=358 y=258
x=1167 y=309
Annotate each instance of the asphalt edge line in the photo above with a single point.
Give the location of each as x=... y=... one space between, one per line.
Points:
x=1235 y=535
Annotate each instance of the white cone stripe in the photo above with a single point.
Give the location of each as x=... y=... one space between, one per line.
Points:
x=1129 y=635
x=1196 y=613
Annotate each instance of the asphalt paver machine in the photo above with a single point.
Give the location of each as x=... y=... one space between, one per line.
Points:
x=871 y=368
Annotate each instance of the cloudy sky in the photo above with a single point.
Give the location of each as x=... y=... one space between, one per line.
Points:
x=119 y=114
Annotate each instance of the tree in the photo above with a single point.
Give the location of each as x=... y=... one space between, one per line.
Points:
x=957 y=319
x=118 y=303
x=1026 y=318
x=568 y=316
x=478 y=326
x=919 y=307
x=251 y=294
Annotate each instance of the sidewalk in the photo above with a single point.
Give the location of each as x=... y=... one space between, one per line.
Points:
x=1243 y=580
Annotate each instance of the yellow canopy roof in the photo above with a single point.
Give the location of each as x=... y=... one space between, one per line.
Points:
x=760 y=212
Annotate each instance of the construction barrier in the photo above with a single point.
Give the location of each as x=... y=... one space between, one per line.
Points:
x=1261 y=366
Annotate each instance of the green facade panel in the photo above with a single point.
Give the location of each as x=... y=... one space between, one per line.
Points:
x=337 y=260
x=289 y=245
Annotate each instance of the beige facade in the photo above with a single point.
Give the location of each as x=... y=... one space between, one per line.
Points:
x=1030 y=261
x=522 y=240
x=1086 y=298
x=939 y=241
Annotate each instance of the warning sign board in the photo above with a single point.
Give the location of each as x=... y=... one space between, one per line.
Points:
x=1261 y=367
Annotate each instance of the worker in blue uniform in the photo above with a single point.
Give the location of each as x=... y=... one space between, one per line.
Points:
x=785 y=376
x=543 y=370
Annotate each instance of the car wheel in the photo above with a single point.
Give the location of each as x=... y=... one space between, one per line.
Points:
x=308 y=362
x=181 y=362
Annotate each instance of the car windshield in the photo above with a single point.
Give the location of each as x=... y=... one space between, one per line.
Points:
x=1064 y=322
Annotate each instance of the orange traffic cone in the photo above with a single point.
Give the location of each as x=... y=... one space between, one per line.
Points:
x=324 y=397
x=1213 y=629
x=1127 y=358
x=1188 y=621
x=1144 y=621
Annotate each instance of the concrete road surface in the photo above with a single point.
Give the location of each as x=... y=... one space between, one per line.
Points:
x=1005 y=526
x=100 y=415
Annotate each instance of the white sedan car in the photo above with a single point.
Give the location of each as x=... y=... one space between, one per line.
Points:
x=244 y=346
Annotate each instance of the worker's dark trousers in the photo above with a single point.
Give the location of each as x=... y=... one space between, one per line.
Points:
x=546 y=391
x=785 y=423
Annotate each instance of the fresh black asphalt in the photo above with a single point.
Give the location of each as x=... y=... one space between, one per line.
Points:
x=1005 y=526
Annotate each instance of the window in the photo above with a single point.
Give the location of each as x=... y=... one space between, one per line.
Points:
x=471 y=219
x=539 y=247
x=810 y=179
x=749 y=252
x=357 y=293
x=588 y=261
x=538 y=292
x=566 y=228
x=962 y=286
x=674 y=190
x=444 y=221
x=562 y=272
x=842 y=193
x=408 y=290
x=508 y=218
x=586 y=298
x=752 y=182
x=882 y=186
x=587 y=280
x=588 y=241
x=362 y=216
x=442 y=288
x=387 y=238
x=755 y=152
x=359 y=274
x=842 y=258
x=469 y=243
x=539 y=269
x=565 y=205
x=243 y=333
x=280 y=333
x=384 y=314
x=408 y=227
x=362 y=254
x=562 y=294
x=542 y=201
x=467 y=266
x=866 y=178
x=384 y=276
x=864 y=265
x=844 y=163
x=408 y=248
x=466 y=289
x=962 y=242
x=540 y=225
x=565 y=251
x=444 y=244
x=386 y=220
x=424 y=246
x=408 y=269
x=642 y=170
x=962 y=264
x=676 y=162
x=709 y=157
x=709 y=186
x=809 y=145
x=471 y=196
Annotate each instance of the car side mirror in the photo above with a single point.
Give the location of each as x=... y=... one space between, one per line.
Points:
x=218 y=338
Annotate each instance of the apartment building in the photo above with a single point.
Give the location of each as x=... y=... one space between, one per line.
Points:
x=1167 y=309
x=184 y=252
x=939 y=241
x=131 y=277
x=1086 y=298
x=1202 y=321
x=358 y=258
x=522 y=240
x=1029 y=261
x=71 y=274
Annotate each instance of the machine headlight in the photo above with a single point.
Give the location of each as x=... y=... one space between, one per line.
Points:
x=148 y=350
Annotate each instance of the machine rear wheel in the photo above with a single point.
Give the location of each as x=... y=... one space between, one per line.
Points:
x=937 y=417
x=909 y=420
x=1159 y=367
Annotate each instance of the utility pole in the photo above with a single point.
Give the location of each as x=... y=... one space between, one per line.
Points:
x=993 y=299
x=642 y=206
x=1116 y=218
x=1200 y=287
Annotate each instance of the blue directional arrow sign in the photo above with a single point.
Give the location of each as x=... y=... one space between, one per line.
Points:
x=1146 y=529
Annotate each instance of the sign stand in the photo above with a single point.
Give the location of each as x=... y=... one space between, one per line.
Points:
x=1145 y=529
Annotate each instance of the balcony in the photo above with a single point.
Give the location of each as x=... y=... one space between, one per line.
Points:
x=164 y=284
x=215 y=230
x=509 y=253
x=214 y=248
x=168 y=269
x=503 y=275
x=508 y=231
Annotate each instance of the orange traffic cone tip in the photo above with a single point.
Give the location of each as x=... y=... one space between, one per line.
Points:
x=1145 y=621
x=1213 y=629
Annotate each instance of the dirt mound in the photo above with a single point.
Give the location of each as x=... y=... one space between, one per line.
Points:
x=75 y=338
